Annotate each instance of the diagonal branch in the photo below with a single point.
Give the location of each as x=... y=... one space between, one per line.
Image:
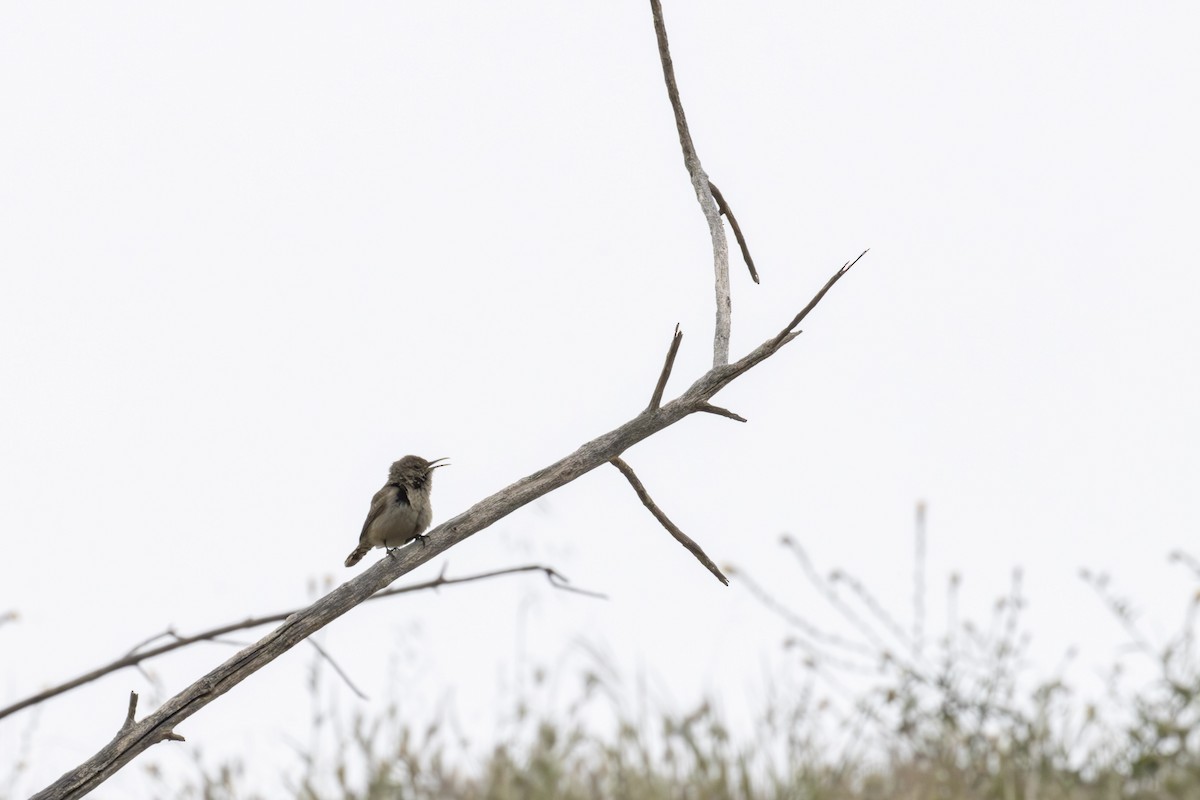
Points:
x=788 y=331
x=723 y=207
x=134 y=658
x=704 y=195
x=136 y=737
x=300 y=625
x=671 y=527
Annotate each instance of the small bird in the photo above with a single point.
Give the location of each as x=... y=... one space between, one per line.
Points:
x=400 y=511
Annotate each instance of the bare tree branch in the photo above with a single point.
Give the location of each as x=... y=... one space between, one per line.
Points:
x=668 y=365
x=134 y=658
x=302 y=624
x=130 y=714
x=704 y=195
x=722 y=412
x=671 y=527
x=296 y=627
x=723 y=207
x=789 y=333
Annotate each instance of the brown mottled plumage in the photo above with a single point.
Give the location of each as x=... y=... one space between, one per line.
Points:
x=400 y=511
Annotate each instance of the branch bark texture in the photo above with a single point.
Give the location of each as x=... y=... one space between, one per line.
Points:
x=703 y=188
x=681 y=537
x=159 y=726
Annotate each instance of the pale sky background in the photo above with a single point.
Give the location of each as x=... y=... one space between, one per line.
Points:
x=252 y=253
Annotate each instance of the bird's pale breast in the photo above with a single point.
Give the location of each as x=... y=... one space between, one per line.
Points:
x=397 y=524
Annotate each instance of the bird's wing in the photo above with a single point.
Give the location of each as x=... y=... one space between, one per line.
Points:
x=378 y=503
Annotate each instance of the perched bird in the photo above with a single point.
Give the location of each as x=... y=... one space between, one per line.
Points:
x=400 y=511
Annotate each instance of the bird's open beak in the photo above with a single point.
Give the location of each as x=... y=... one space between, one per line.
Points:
x=434 y=464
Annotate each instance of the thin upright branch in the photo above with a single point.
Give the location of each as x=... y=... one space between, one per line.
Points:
x=136 y=655
x=671 y=527
x=668 y=67
x=130 y=713
x=704 y=195
x=668 y=365
x=723 y=207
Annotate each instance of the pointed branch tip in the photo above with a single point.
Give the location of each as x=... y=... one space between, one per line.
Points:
x=783 y=334
x=131 y=712
x=722 y=412
x=671 y=527
x=664 y=376
x=723 y=207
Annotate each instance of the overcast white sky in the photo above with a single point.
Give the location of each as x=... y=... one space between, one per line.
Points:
x=251 y=254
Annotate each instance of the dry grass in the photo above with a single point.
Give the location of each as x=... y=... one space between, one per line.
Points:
x=936 y=720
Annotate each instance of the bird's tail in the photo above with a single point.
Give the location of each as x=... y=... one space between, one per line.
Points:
x=357 y=554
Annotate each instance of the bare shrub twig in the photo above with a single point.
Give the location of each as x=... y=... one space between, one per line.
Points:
x=135 y=656
x=723 y=207
x=671 y=527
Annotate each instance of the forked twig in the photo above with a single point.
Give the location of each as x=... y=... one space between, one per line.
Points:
x=671 y=527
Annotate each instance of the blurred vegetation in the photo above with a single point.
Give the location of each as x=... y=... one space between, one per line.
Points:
x=878 y=712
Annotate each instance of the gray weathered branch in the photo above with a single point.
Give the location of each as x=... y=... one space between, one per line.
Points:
x=724 y=208
x=688 y=542
x=704 y=195
x=298 y=626
x=665 y=375
x=135 y=737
